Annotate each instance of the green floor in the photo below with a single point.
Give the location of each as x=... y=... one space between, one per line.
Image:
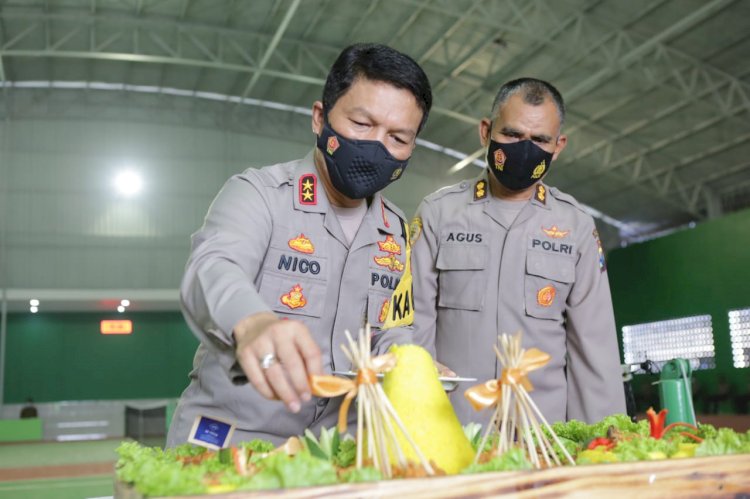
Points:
x=59 y=453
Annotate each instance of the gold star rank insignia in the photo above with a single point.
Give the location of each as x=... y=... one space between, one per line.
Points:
x=308 y=186
x=541 y=194
x=480 y=190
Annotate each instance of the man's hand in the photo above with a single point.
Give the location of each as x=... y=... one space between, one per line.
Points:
x=444 y=370
x=290 y=356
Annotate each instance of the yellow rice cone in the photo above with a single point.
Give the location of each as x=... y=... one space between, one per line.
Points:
x=417 y=395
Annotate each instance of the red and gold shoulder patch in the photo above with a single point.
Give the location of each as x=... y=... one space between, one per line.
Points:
x=332 y=145
x=294 y=298
x=541 y=194
x=302 y=244
x=480 y=189
x=308 y=189
x=546 y=296
x=555 y=233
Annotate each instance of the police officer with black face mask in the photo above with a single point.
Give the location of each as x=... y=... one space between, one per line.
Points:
x=292 y=255
x=506 y=253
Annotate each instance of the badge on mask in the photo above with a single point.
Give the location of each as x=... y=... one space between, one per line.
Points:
x=518 y=165
x=358 y=168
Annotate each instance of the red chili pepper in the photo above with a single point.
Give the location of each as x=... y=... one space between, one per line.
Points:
x=656 y=424
x=601 y=442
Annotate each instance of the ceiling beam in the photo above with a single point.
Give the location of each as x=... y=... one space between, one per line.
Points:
x=288 y=15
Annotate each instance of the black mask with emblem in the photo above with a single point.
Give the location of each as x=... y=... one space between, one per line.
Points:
x=518 y=165
x=358 y=168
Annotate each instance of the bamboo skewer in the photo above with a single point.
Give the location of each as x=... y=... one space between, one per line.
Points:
x=516 y=419
x=375 y=414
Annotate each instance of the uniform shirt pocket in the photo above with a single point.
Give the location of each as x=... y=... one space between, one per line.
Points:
x=548 y=281
x=462 y=276
x=293 y=295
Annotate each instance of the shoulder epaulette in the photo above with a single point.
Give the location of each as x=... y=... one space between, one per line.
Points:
x=450 y=189
x=565 y=198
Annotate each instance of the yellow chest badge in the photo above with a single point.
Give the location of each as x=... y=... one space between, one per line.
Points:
x=389 y=261
x=546 y=296
x=389 y=246
x=302 y=244
x=294 y=298
x=555 y=233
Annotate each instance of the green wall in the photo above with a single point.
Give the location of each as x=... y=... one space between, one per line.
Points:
x=62 y=356
x=704 y=270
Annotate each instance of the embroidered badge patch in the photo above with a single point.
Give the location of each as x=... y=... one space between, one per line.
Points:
x=541 y=194
x=600 y=250
x=383 y=311
x=211 y=433
x=308 y=189
x=415 y=229
x=302 y=244
x=332 y=145
x=539 y=170
x=499 y=159
x=546 y=296
x=396 y=173
x=555 y=233
x=480 y=189
x=389 y=245
x=389 y=261
x=294 y=298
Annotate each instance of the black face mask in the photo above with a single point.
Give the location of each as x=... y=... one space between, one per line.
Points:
x=358 y=168
x=518 y=165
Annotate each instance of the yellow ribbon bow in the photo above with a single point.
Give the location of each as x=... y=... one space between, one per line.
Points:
x=328 y=386
x=489 y=393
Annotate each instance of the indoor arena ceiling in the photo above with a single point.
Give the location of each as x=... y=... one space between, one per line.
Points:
x=658 y=91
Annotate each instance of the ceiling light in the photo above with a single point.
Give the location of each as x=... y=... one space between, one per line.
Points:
x=121 y=309
x=34 y=310
x=128 y=183
x=34 y=302
x=125 y=303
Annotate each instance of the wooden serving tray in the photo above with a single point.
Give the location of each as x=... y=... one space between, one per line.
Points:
x=721 y=476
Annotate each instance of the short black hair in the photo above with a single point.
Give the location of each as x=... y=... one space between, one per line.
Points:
x=378 y=63
x=534 y=92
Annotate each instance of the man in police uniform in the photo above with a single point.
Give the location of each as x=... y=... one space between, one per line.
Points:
x=292 y=255
x=506 y=253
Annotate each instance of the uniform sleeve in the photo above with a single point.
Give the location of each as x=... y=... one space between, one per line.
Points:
x=218 y=290
x=425 y=275
x=595 y=388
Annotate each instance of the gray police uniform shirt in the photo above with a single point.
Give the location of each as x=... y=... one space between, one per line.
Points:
x=476 y=277
x=271 y=242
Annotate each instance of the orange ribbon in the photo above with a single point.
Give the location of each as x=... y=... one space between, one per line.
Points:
x=332 y=386
x=489 y=393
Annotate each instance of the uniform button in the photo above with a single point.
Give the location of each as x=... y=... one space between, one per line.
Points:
x=463 y=185
x=322 y=402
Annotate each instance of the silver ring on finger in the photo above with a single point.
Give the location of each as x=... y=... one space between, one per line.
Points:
x=267 y=360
